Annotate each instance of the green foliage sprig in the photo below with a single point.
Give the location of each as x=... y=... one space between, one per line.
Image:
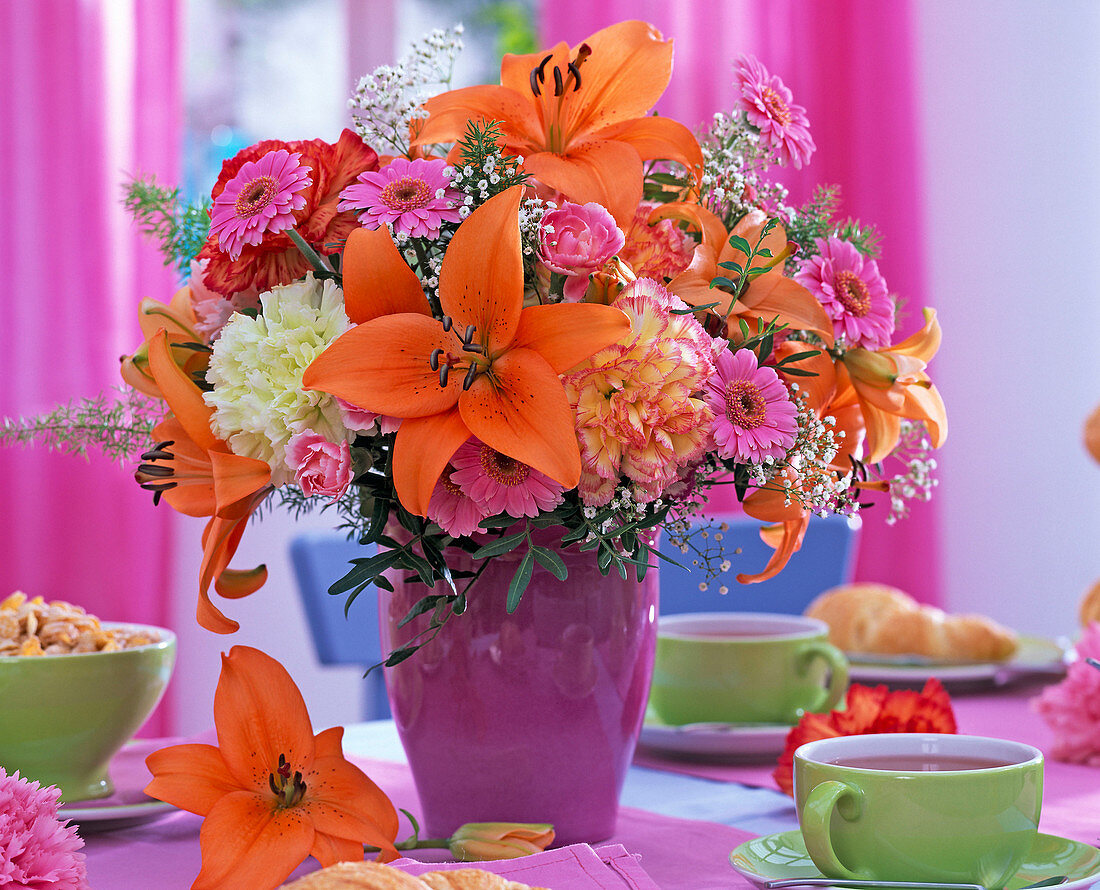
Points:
x=179 y=227
x=118 y=423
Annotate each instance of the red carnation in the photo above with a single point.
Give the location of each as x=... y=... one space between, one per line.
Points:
x=275 y=260
x=868 y=711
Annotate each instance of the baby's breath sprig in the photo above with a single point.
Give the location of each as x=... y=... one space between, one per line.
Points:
x=179 y=227
x=485 y=170
x=118 y=423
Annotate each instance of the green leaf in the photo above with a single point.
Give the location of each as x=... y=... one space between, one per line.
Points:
x=799 y=372
x=399 y=655
x=797 y=357
x=520 y=580
x=550 y=561
x=499 y=546
x=720 y=281
x=739 y=243
x=424 y=604
x=736 y=267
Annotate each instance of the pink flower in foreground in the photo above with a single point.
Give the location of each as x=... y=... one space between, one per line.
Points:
x=1072 y=708
x=768 y=105
x=577 y=239
x=754 y=416
x=415 y=197
x=853 y=292
x=359 y=420
x=36 y=850
x=501 y=484
x=212 y=310
x=321 y=467
x=262 y=197
x=452 y=509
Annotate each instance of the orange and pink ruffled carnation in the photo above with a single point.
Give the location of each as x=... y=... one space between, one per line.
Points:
x=261 y=198
x=1072 y=708
x=414 y=197
x=660 y=251
x=754 y=417
x=853 y=292
x=36 y=849
x=638 y=412
x=770 y=108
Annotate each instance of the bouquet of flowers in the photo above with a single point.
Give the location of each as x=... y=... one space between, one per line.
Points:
x=523 y=307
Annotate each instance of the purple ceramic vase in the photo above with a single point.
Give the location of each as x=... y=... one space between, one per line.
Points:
x=528 y=717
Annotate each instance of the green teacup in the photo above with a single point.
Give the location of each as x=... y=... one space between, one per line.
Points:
x=63 y=717
x=744 y=667
x=918 y=807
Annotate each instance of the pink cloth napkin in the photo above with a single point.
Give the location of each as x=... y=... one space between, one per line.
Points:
x=577 y=867
x=1071 y=793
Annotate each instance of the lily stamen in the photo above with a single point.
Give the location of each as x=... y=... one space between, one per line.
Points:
x=559 y=84
x=447 y=322
x=433 y=359
x=471 y=376
x=538 y=75
x=473 y=347
x=444 y=372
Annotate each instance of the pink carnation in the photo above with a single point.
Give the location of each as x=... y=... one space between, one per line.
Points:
x=853 y=292
x=1072 y=708
x=415 y=197
x=360 y=420
x=576 y=240
x=452 y=509
x=212 y=310
x=261 y=198
x=768 y=105
x=37 y=851
x=501 y=484
x=754 y=416
x=321 y=467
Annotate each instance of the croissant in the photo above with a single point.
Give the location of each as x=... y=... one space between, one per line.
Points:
x=881 y=620
x=373 y=876
x=1090 y=605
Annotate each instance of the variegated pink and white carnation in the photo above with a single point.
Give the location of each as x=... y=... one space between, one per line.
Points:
x=638 y=409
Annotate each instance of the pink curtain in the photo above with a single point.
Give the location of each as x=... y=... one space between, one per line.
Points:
x=851 y=64
x=89 y=92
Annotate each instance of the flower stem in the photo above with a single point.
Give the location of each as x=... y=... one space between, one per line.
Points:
x=413 y=843
x=315 y=259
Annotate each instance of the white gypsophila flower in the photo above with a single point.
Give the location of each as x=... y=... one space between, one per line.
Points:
x=388 y=99
x=256 y=370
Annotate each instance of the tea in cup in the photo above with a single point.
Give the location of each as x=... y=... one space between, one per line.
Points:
x=918 y=806
x=744 y=667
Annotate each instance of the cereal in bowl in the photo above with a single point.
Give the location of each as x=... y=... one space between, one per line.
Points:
x=35 y=627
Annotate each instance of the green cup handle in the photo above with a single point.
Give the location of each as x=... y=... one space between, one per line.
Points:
x=815 y=818
x=838 y=670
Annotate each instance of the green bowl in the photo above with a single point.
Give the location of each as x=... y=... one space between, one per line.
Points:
x=63 y=717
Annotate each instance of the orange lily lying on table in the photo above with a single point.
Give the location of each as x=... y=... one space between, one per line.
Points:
x=198 y=475
x=272 y=792
x=491 y=372
x=577 y=116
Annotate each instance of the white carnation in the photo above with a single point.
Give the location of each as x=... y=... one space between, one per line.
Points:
x=256 y=371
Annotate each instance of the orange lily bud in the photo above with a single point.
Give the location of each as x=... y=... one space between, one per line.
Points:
x=606 y=284
x=481 y=841
x=873 y=368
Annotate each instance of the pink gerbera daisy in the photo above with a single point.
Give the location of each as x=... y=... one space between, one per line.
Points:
x=501 y=484
x=768 y=106
x=853 y=292
x=452 y=509
x=37 y=850
x=754 y=416
x=262 y=197
x=415 y=197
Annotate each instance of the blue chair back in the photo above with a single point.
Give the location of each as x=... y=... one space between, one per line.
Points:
x=827 y=558
x=320 y=559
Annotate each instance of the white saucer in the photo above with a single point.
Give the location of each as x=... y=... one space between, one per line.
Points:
x=129 y=805
x=1035 y=656
x=728 y=742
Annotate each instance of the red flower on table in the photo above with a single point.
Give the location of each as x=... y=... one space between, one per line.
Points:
x=870 y=710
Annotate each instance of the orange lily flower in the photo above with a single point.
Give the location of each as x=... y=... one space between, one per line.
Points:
x=272 y=792
x=784 y=534
x=577 y=116
x=491 y=370
x=891 y=384
x=766 y=296
x=197 y=473
x=178 y=318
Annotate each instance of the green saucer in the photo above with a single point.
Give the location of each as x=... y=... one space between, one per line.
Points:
x=781 y=856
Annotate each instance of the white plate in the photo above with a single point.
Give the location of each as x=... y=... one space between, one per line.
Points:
x=728 y=742
x=129 y=805
x=1035 y=656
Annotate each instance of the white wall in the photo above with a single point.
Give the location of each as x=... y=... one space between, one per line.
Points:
x=1012 y=138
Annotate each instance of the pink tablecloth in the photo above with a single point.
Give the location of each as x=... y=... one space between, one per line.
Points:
x=1071 y=796
x=677 y=854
